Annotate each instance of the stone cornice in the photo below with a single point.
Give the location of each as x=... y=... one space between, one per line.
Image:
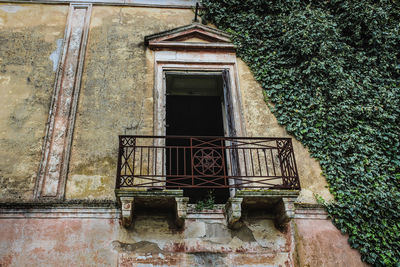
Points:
x=83 y=209
x=135 y=3
x=310 y=211
x=49 y=204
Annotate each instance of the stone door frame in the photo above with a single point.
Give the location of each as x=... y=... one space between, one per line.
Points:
x=194 y=61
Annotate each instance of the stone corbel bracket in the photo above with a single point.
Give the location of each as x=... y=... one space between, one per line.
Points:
x=276 y=202
x=233 y=211
x=285 y=211
x=181 y=207
x=127 y=206
x=157 y=200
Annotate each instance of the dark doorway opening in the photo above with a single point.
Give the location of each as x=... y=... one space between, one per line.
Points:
x=194 y=105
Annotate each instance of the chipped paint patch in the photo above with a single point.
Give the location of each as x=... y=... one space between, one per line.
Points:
x=11 y=8
x=266 y=235
x=55 y=56
x=196 y=229
x=4 y=80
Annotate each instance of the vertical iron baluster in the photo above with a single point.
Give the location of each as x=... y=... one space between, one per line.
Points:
x=273 y=162
x=231 y=162
x=177 y=161
x=259 y=163
x=245 y=160
x=266 y=162
x=133 y=160
x=252 y=164
x=191 y=159
x=141 y=157
x=284 y=179
x=163 y=161
x=170 y=157
x=222 y=144
x=155 y=164
x=184 y=161
x=148 y=161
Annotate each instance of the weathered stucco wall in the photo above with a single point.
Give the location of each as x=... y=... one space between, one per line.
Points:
x=116 y=94
x=320 y=243
x=154 y=240
x=30 y=41
x=261 y=122
x=57 y=242
x=117 y=98
x=204 y=241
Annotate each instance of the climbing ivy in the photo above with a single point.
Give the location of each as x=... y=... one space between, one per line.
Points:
x=331 y=70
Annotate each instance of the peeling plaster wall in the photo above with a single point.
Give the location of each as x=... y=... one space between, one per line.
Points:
x=261 y=122
x=116 y=94
x=203 y=242
x=29 y=41
x=154 y=240
x=57 y=242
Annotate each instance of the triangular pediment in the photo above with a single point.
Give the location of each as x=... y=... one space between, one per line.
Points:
x=193 y=36
x=195 y=40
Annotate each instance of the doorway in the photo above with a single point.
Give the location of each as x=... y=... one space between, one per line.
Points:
x=194 y=107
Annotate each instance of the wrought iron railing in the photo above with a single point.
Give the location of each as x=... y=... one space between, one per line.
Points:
x=177 y=162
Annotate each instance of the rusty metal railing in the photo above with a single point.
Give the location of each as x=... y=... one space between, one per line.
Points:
x=176 y=162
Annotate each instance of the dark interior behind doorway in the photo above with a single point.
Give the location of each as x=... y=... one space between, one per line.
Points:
x=194 y=114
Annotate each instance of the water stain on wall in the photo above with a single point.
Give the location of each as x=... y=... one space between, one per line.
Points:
x=26 y=84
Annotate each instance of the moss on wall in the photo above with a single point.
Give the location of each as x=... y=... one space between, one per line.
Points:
x=29 y=37
x=117 y=92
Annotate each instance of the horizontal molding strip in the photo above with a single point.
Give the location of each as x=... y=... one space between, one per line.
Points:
x=64 y=213
x=133 y=3
x=311 y=213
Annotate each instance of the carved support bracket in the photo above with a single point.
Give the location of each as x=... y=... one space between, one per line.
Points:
x=233 y=209
x=284 y=212
x=181 y=210
x=127 y=205
x=53 y=168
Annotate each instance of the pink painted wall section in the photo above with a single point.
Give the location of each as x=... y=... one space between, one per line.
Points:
x=152 y=242
x=320 y=243
x=58 y=242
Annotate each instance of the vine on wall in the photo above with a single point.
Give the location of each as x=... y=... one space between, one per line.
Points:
x=332 y=71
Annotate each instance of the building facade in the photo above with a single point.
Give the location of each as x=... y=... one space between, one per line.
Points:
x=94 y=168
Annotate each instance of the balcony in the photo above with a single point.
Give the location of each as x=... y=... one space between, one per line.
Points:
x=182 y=168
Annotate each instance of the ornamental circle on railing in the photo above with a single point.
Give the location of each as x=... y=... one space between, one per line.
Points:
x=207 y=161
